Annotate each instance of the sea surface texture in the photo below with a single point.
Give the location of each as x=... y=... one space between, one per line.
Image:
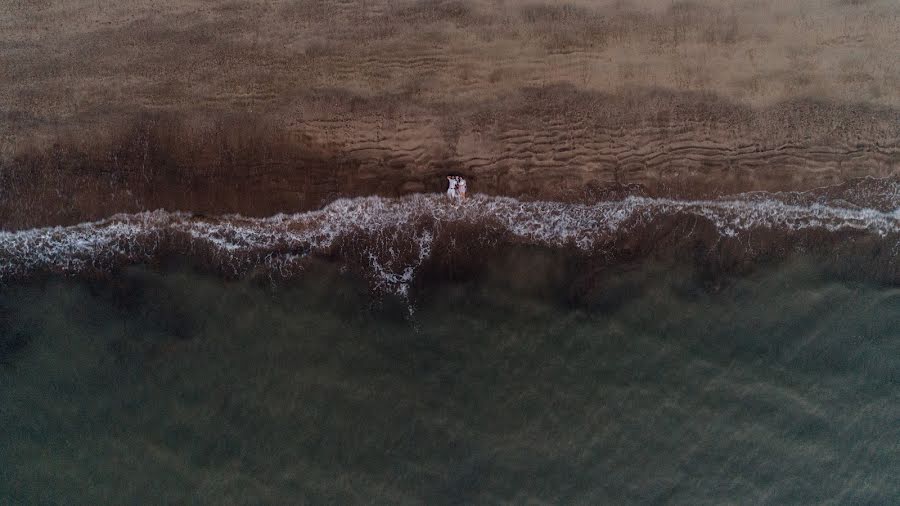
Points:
x=420 y=350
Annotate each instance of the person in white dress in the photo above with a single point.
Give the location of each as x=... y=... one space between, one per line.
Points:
x=461 y=188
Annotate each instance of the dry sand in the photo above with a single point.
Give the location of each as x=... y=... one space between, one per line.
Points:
x=260 y=107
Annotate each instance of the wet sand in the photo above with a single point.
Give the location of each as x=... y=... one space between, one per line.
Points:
x=268 y=107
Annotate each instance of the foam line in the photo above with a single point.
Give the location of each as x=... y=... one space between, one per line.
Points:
x=410 y=221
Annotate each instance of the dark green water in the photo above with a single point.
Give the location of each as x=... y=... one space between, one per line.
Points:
x=779 y=387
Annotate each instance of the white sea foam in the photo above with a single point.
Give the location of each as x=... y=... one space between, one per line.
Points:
x=280 y=242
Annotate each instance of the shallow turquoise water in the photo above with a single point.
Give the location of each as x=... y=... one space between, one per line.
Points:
x=652 y=384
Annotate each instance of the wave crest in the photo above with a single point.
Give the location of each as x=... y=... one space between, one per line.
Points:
x=389 y=239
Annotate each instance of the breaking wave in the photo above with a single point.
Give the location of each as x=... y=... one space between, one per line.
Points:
x=390 y=239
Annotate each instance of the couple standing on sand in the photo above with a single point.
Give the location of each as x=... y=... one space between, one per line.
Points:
x=457 y=188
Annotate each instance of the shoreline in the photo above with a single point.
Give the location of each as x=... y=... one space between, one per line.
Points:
x=389 y=241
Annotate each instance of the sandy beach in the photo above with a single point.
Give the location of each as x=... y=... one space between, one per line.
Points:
x=264 y=107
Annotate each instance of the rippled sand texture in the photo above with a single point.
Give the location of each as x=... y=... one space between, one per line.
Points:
x=262 y=107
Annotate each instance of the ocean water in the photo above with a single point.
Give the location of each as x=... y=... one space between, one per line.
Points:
x=744 y=350
x=658 y=385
